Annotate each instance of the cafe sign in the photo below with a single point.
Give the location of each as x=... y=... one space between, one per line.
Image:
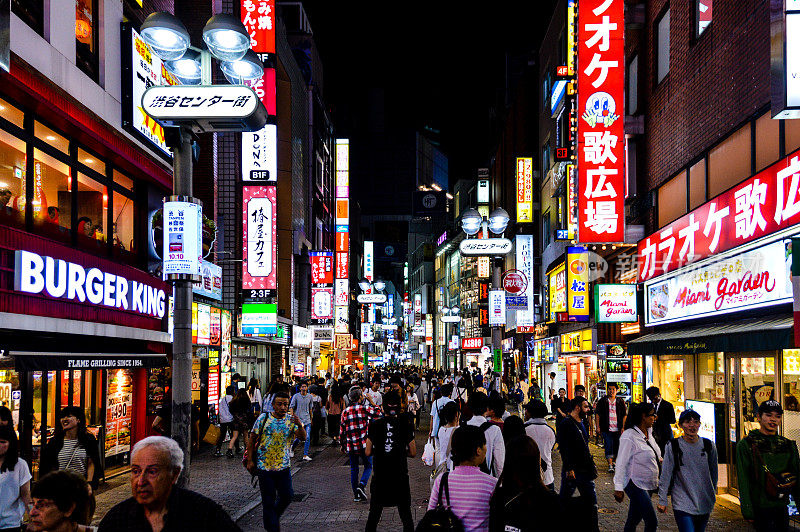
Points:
x=615 y=303
x=752 y=279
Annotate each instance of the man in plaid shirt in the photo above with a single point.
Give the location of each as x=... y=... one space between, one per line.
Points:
x=354 y=425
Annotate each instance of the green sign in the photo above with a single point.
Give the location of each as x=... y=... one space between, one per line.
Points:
x=498 y=360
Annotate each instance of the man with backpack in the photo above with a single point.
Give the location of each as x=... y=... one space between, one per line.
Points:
x=478 y=403
x=768 y=468
x=689 y=474
x=578 y=471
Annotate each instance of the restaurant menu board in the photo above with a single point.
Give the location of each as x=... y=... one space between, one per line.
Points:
x=158 y=383
x=213 y=380
x=119 y=406
x=216 y=326
x=225 y=348
x=203 y=324
x=197 y=382
x=618 y=369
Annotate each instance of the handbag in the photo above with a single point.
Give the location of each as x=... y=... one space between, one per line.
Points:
x=429 y=453
x=776 y=485
x=212 y=434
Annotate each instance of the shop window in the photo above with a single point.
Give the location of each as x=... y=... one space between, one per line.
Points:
x=633 y=85
x=767 y=141
x=662 y=47
x=9 y=383
x=702 y=15
x=50 y=137
x=729 y=162
x=791 y=394
x=697 y=184
x=672 y=199
x=123 y=217
x=11 y=113
x=670 y=382
x=86 y=54
x=711 y=377
x=123 y=180
x=92 y=211
x=757 y=376
x=52 y=195
x=31 y=12
x=791 y=135
x=92 y=161
x=12 y=180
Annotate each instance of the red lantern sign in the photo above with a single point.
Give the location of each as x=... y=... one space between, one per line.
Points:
x=515 y=282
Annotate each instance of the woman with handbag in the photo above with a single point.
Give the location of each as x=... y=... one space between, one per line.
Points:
x=73 y=448
x=241 y=410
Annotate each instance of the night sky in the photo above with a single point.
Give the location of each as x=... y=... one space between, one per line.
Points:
x=441 y=63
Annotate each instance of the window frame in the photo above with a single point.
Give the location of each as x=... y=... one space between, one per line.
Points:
x=697 y=33
x=629 y=88
x=23 y=9
x=90 y=64
x=657 y=45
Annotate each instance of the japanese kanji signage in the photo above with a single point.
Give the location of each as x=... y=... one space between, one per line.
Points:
x=601 y=137
x=260 y=242
x=524 y=261
x=557 y=292
x=578 y=284
x=485 y=246
x=344 y=341
x=762 y=205
x=524 y=189
x=497 y=307
x=321 y=267
x=185 y=102
x=369 y=260
x=342 y=236
x=322 y=303
x=756 y=278
x=258 y=17
x=182 y=238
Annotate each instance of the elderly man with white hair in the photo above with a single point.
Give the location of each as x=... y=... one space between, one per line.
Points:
x=157 y=503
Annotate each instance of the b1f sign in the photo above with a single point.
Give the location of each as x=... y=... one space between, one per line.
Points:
x=182 y=239
x=260 y=155
x=497 y=307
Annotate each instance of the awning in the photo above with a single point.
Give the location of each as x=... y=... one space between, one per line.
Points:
x=38 y=361
x=755 y=334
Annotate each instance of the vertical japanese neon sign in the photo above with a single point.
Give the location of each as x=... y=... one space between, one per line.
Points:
x=601 y=132
x=342 y=286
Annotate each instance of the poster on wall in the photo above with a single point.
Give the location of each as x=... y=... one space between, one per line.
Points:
x=321 y=267
x=259 y=267
x=119 y=407
x=321 y=303
x=203 y=324
x=182 y=250
x=225 y=348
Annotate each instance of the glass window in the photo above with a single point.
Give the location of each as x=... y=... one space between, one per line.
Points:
x=123 y=222
x=791 y=135
x=702 y=15
x=12 y=180
x=633 y=85
x=11 y=113
x=92 y=161
x=546 y=229
x=92 y=210
x=31 y=12
x=672 y=199
x=9 y=383
x=52 y=194
x=662 y=47
x=86 y=37
x=123 y=180
x=767 y=141
x=791 y=394
x=711 y=377
x=697 y=184
x=729 y=162
x=52 y=138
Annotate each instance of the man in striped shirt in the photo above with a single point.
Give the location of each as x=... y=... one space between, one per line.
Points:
x=470 y=488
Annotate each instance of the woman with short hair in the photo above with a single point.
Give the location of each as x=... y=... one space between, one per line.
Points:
x=60 y=504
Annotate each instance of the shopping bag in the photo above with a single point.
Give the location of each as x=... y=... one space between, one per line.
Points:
x=428 y=454
x=212 y=435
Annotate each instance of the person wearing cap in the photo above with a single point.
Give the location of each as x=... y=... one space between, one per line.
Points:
x=763 y=454
x=690 y=474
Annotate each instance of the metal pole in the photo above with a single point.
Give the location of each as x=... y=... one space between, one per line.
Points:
x=497 y=332
x=182 y=335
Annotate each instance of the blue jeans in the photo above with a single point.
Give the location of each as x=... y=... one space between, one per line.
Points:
x=641 y=508
x=690 y=522
x=367 y=460
x=307 y=443
x=611 y=444
x=584 y=517
x=276 y=494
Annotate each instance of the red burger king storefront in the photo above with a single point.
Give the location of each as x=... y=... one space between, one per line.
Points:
x=717 y=297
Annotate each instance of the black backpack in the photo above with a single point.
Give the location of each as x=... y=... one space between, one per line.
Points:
x=441 y=518
x=487 y=468
x=677 y=458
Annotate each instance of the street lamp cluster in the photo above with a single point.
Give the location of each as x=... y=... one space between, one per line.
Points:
x=471 y=221
x=225 y=37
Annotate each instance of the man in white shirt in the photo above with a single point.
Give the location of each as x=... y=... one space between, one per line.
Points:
x=225 y=419
x=544 y=436
x=478 y=402
x=375 y=394
x=436 y=406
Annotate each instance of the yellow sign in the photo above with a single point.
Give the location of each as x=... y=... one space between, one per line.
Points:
x=343 y=341
x=524 y=189
x=578 y=283
x=577 y=342
x=558 y=292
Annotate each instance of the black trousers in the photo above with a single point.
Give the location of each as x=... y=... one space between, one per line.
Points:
x=771 y=519
x=376 y=509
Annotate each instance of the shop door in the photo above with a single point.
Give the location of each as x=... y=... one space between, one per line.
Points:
x=752 y=381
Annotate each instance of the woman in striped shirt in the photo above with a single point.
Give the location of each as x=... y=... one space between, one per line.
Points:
x=470 y=488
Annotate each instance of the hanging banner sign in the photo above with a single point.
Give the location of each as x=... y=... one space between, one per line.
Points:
x=321 y=303
x=260 y=155
x=211 y=284
x=341 y=323
x=524 y=261
x=615 y=303
x=321 y=267
x=764 y=204
x=524 y=189
x=578 y=284
x=485 y=246
x=260 y=243
x=183 y=248
x=497 y=307
x=753 y=279
x=371 y=298
x=342 y=292
x=601 y=132
x=515 y=282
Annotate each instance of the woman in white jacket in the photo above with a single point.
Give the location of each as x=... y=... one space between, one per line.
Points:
x=638 y=467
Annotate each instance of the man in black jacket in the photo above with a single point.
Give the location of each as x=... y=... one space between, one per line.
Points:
x=578 y=470
x=662 y=429
x=611 y=412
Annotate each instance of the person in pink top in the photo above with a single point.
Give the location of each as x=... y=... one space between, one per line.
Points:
x=470 y=488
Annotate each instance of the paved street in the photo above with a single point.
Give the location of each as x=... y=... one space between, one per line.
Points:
x=324 y=502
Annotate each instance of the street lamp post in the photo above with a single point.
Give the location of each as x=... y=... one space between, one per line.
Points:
x=471 y=223
x=367 y=288
x=228 y=41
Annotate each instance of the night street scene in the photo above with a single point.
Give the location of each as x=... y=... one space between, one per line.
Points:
x=432 y=266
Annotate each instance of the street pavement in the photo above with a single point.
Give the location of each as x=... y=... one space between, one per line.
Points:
x=323 y=499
